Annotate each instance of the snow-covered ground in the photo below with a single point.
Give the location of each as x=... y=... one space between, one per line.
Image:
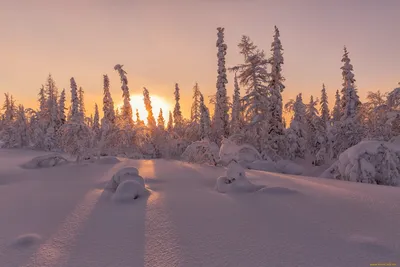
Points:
x=62 y=216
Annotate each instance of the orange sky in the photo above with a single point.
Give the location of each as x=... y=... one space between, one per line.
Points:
x=163 y=42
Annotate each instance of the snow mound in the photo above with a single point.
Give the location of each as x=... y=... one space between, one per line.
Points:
x=235 y=180
x=129 y=190
x=201 y=152
x=108 y=160
x=125 y=174
x=262 y=165
x=27 y=240
x=375 y=162
x=45 y=161
x=289 y=167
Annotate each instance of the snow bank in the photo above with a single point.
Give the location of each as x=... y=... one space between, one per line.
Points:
x=129 y=190
x=27 y=240
x=242 y=153
x=262 y=165
x=201 y=152
x=108 y=160
x=375 y=162
x=45 y=161
x=235 y=180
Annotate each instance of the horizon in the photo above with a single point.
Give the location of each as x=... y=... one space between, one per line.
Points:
x=145 y=38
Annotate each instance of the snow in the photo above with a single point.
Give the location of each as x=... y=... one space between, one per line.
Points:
x=129 y=190
x=45 y=161
x=292 y=221
x=125 y=174
x=108 y=160
x=26 y=240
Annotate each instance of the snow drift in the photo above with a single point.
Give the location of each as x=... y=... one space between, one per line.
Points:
x=45 y=161
x=27 y=240
x=374 y=162
x=201 y=152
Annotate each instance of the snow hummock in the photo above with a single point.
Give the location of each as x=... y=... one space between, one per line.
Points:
x=375 y=162
x=45 y=161
x=129 y=190
x=201 y=152
x=125 y=174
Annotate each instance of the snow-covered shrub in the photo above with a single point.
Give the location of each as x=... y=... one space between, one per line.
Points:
x=235 y=180
x=76 y=139
x=45 y=161
x=242 y=153
x=129 y=190
x=375 y=162
x=125 y=174
x=202 y=151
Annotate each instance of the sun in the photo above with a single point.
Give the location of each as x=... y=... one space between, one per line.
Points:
x=157 y=102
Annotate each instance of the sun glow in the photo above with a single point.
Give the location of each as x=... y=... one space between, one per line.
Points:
x=157 y=102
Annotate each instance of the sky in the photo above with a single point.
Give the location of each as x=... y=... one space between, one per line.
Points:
x=161 y=43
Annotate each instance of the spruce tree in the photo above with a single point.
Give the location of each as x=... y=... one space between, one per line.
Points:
x=195 y=110
x=161 y=121
x=96 y=121
x=139 y=122
x=205 y=121
x=221 y=117
x=151 y=122
x=81 y=105
x=235 y=121
x=178 y=118
x=61 y=107
x=336 y=112
x=170 y=125
x=75 y=114
x=324 y=106
x=126 y=113
x=108 y=103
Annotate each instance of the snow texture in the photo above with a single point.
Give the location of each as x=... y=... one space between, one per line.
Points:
x=292 y=221
x=129 y=190
x=27 y=240
x=108 y=160
x=125 y=174
x=201 y=152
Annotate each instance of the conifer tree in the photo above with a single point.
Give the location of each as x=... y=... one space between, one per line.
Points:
x=126 y=113
x=52 y=105
x=61 y=107
x=221 y=117
x=139 y=122
x=75 y=114
x=160 y=120
x=324 y=106
x=81 y=104
x=195 y=110
x=297 y=133
x=178 y=119
x=108 y=103
x=42 y=106
x=235 y=121
x=96 y=121
x=151 y=122
x=170 y=125
x=205 y=121
x=336 y=113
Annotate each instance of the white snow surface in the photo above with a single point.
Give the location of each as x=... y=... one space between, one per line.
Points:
x=129 y=190
x=292 y=221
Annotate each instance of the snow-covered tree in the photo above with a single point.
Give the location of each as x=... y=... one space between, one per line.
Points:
x=275 y=138
x=221 y=118
x=96 y=122
x=253 y=77
x=324 y=106
x=205 y=121
x=311 y=118
x=51 y=92
x=81 y=104
x=7 y=134
x=151 y=122
x=42 y=106
x=61 y=107
x=75 y=114
x=195 y=110
x=178 y=118
x=236 y=107
x=297 y=133
x=77 y=139
x=336 y=113
x=160 y=120
x=108 y=103
x=170 y=125
x=127 y=108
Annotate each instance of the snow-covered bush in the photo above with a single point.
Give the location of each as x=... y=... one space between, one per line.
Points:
x=45 y=161
x=202 y=151
x=76 y=139
x=375 y=162
x=242 y=153
x=235 y=180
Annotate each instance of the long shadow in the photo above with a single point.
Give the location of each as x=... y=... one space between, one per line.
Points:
x=114 y=233
x=39 y=205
